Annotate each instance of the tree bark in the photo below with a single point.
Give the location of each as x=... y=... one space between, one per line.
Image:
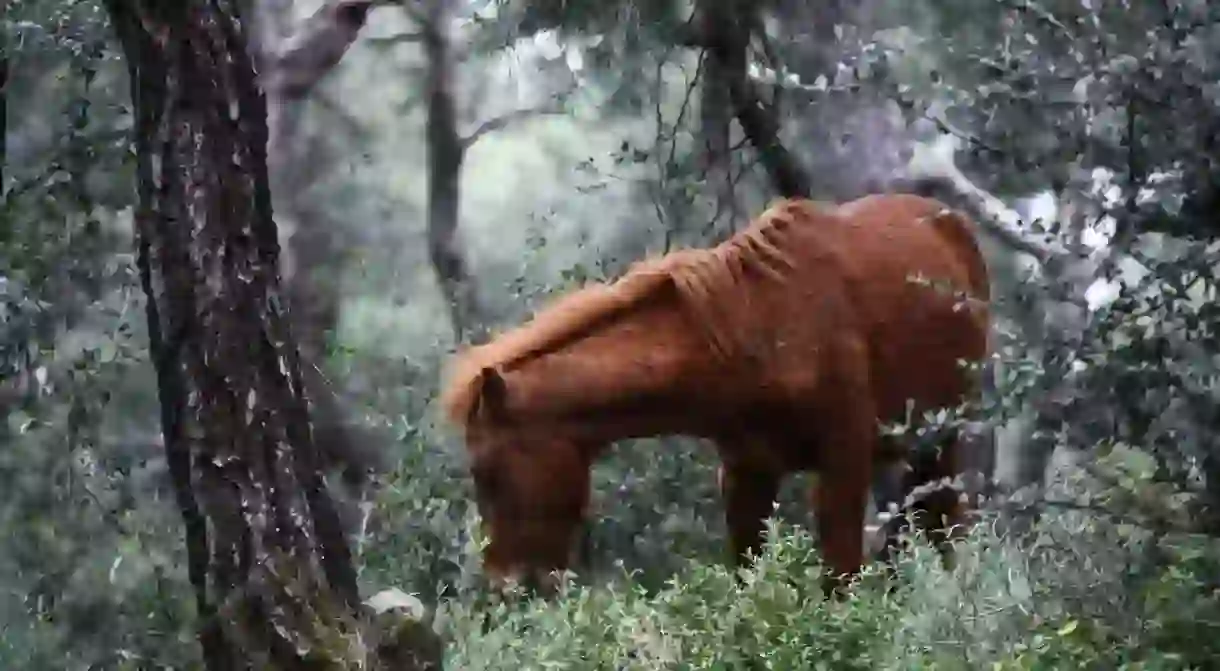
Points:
x=447 y=148
x=724 y=34
x=719 y=21
x=272 y=574
x=446 y=153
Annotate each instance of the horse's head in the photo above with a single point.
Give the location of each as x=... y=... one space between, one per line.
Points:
x=531 y=487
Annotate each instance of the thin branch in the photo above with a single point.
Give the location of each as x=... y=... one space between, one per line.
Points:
x=338 y=111
x=774 y=62
x=395 y=40
x=1042 y=14
x=500 y=122
x=662 y=167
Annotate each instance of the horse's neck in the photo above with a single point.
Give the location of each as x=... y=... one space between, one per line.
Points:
x=630 y=380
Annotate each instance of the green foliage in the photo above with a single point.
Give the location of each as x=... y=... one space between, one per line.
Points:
x=91 y=564
x=999 y=609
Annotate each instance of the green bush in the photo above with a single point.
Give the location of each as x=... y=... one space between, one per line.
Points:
x=1006 y=605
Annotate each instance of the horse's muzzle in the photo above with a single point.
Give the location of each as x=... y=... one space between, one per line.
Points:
x=535 y=582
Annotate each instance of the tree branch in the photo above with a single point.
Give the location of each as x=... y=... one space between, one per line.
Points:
x=349 y=124
x=935 y=162
x=758 y=122
x=316 y=48
x=1126 y=229
x=395 y=40
x=500 y=122
x=724 y=33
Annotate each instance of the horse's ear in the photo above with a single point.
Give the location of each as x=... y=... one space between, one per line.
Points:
x=492 y=392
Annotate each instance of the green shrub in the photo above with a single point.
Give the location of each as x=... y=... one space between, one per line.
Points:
x=1006 y=605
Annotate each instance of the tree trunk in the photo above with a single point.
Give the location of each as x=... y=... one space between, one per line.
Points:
x=273 y=578
x=446 y=153
x=718 y=21
x=724 y=34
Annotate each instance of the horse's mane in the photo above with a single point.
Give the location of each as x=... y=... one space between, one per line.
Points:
x=701 y=276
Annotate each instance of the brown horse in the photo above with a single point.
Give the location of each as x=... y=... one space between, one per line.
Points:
x=785 y=345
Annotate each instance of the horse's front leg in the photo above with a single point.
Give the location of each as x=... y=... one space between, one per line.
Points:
x=749 y=492
x=840 y=500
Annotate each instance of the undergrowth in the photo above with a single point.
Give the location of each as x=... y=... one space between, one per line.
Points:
x=1002 y=607
x=1035 y=602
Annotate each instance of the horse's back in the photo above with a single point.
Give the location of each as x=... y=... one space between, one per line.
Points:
x=893 y=254
x=892 y=231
